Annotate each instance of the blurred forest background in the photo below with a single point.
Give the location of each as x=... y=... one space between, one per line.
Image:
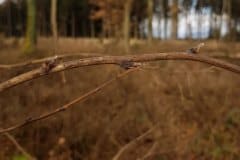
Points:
x=151 y=19
x=195 y=106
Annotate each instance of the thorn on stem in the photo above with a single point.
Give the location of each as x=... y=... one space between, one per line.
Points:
x=129 y=64
x=50 y=64
x=195 y=50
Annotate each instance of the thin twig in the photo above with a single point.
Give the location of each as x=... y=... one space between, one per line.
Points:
x=42 y=60
x=19 y=147
x=70 y=104
x=133 y=142
x=150 y=151
x=63 y=77
x=180 y=87
x=102 y=60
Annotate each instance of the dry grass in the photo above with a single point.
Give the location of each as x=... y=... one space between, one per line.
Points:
x=197 y=108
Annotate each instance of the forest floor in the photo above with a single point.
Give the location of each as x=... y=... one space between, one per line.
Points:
x=196 y=106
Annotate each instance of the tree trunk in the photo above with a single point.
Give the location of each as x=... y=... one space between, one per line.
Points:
x=227 y=9
x=73 y=33
x=126 y=24
x=160 y=18
x=9 y=20
x=159 y=28
x=54 y=24
x=165 y=15
x=135 y=30
x=174 y=14
x=92 y=25
x=21 y=23
x=188 y=25
x=63 y=26
x=43 y=25
x=54 y=29
x=212 y=27
x=199 y=27
x=150 y=18
x=31 y=38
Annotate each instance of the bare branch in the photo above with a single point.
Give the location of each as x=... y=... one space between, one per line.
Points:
x=133 y=142
x=70 y=104
x=150 y=151
x=101 y=60
x=42 y=60
x=19 y=147
x=82 y=55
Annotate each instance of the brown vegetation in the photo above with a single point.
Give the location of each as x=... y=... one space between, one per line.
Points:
x=195 y=107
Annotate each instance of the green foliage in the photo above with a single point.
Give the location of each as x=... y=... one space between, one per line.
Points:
x=19 y=157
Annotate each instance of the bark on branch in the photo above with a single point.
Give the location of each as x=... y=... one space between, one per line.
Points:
x=101 y=60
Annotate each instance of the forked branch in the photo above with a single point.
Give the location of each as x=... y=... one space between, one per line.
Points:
x=70 y=104
x=133 y=143
x=102 y=60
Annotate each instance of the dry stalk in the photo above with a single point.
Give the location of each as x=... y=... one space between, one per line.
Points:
x=19 y=147
x=133 y=142
x=150 y=152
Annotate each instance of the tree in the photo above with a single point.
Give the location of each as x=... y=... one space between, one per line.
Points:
x=227 y=9
x=150 y=18
x=126 y=24
x=110 y=13
x=174 y=14
x=9 y=18
x=216 y=11
x=187 y=5
x=31 y=38
x=165 y=15
x=54 y=23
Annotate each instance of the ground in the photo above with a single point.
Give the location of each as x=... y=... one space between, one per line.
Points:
x=195 y=106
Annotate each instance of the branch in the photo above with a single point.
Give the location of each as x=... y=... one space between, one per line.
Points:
x=19 y=147
x=82 y=55
x=101 y=60
x=70 y=104
x=133 y=142
x=42 y=60
x=150 y=151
